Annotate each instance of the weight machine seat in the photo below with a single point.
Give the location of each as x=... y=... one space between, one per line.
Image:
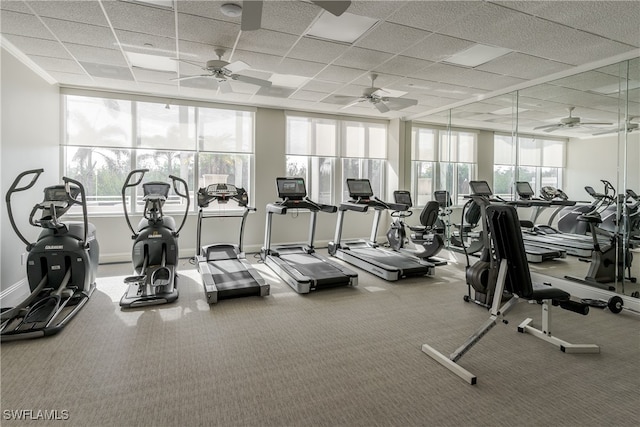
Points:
x=508 y=243
x=428 y=217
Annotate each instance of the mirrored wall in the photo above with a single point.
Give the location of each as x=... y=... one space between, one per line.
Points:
x=575 y=140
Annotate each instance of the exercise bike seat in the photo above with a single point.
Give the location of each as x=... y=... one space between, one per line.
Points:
x=428 y=218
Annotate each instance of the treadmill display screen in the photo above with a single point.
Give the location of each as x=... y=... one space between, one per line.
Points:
x=480 y=188
x=524 y=189
x=291 y=188
x=359 y=188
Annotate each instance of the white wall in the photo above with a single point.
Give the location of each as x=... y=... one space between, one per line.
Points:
x=593 y=159
x=30 y=118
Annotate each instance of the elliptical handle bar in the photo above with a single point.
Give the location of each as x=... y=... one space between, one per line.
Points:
x=83 y=201
x=184 y=195
x=14 y=189
x=126 y=185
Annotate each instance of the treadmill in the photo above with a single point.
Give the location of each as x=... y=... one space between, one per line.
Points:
x=367 y=254
x=482 y=194
x=298 y=264
x=546 y=236
x=224 y=269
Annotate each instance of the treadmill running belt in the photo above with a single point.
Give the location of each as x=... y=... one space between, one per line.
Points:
x=311 y=266
x=230 y=274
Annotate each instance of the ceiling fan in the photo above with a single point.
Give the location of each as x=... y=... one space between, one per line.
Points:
x=223 y=71
x=376 y=96
x=252 y=11
x=568 y=122
x=628 y=126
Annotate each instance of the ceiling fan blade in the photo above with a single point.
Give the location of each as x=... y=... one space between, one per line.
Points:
x=336 y=7
x=190 y=77
x=236 y=66
x=606 y=131
x=225 y=86
x=381 y=106
x=355 y=101
x=548 y=126
x=400 y=103
x=251 y=80
x=596 y=123
x=251 y=15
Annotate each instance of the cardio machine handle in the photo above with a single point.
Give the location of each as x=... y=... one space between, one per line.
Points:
x=14 y=189
x=184 y=195
x=127 y=184
x=83 y=202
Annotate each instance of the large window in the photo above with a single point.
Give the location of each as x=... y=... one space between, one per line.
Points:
x=364 y=150
x=442 y=160
x=312 y=146
x=104 y=139
x=540 y=162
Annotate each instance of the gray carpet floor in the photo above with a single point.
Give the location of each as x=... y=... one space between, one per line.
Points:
x=336 y=357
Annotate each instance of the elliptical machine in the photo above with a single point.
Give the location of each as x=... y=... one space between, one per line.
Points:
x=424 y=237
x=61 y=265
x=155 y=247
x=608 y=261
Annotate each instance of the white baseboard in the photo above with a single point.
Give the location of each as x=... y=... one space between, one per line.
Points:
x=14 y=294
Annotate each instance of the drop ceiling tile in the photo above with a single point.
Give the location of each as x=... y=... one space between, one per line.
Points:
x=107 y=71
x=317 y=85
x=311 y=49
x=391 y=38
x=288 y=17
x=433 y=15
x=382 y=80
x=200 y=52
x=258 y=61
x=522 y=66
x=588 y=81
x=437 y=47
x=206 y=9
x=78 y=33
x=22 y=24
x=362 y=58
x=339 y=99
x=141 y=18
x=306 y=95
x=41 y=47
x=205 y=83
x=339 y=74
x=298 y=67
x=48 y=63
x=402 y=66
x=152 y=76
x=14 y=6
x=97 y=54
x=266 y=41
x=208 y=31
x=616 y=20
x=80 y=11
x=145 y=43
x=376 y=9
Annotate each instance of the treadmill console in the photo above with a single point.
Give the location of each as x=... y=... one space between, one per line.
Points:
x=291 y=188
x=480 y=188
x=359 y=188
x=524 y=190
